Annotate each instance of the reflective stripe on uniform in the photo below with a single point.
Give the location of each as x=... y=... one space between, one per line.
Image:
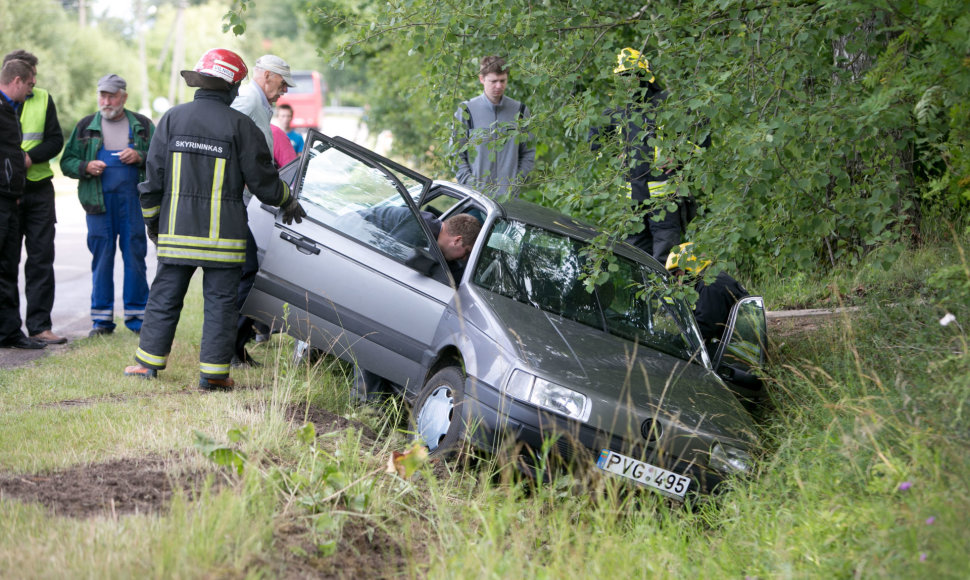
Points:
x=102 y=315
x=195 y=254
x=215 y=200
x=134 y=313
x=150 y=212
x=176 y=187
x=150 y=360
x=213 y=368
x=661 y=188
x=227 y=244
x=286 y=194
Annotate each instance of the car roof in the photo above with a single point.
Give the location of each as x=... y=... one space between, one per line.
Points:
x=560 y=223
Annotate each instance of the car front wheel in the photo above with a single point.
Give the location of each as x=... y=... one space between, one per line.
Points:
x=436 y=415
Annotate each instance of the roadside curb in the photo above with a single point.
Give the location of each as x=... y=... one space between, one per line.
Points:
x=75 y=330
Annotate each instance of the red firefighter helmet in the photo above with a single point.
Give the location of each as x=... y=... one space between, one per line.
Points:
x=217 y=69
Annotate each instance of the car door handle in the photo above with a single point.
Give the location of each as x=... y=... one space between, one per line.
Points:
x=301 y=244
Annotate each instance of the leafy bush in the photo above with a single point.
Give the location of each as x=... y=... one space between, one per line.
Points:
x=837 y=127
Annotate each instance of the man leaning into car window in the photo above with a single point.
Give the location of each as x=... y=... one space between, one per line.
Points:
x=455 y=235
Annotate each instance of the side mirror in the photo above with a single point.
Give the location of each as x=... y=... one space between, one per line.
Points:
x=741 y=353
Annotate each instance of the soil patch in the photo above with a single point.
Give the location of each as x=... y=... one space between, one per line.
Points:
x=121 y=486
x=324 y=421
x=367 y=551
x=364 y=550
x=112 y=398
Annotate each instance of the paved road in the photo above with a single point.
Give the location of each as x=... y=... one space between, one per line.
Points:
x=72 y=274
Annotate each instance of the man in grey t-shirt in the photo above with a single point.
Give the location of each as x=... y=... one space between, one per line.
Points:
x=492 y=155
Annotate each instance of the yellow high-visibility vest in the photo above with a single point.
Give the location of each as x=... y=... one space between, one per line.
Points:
x=32 y=118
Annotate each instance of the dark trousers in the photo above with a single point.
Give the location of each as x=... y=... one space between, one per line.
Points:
x=37 y=217
x=9 y=270
x=244 y=325
x=165 y=301
x=662 y=229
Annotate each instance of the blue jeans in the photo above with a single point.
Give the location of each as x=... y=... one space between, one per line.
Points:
x=122 y=222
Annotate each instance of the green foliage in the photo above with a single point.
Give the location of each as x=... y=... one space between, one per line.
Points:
x=837 y=127
x=70 y=61
x=220 y=454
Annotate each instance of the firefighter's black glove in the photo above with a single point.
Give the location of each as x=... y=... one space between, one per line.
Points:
x=292 y=211
x=153 y=235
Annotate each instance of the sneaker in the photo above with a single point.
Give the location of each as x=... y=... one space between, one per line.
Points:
x=48 y=337
x=140 y=371
x=100 y=330
x=22 y=342
x=261 y=338
x=207 y=384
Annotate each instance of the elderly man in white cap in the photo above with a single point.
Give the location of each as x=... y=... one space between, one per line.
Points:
x=271 y=79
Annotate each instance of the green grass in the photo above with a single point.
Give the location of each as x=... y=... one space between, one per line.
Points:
x=864 y=471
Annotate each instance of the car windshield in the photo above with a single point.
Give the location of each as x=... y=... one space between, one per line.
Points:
x=544 y=269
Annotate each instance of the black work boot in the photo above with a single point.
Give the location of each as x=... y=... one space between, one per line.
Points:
x=207 y=384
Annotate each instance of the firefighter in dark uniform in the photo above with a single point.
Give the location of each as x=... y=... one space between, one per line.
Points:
x=201 y=157
x=636 y=126
x=714 y=300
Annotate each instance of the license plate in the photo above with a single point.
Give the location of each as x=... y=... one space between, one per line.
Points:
x=666 y=482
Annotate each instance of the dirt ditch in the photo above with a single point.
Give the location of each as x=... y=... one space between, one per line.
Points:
x=121 y=486
x=134 y=485
x=324 y=421
x=363 y=550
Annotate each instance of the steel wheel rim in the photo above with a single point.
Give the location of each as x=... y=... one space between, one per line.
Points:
x=434 y=419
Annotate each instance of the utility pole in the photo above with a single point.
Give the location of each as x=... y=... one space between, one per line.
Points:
x=178 y=53
x=142 y=56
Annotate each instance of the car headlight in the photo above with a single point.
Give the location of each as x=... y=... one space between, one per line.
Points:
x=727 y=459
x=547 y=395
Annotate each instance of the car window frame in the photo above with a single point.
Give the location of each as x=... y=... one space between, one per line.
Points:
x=390 y=169
x=728 y=337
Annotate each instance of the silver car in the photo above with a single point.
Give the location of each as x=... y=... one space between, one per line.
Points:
x=509 y=346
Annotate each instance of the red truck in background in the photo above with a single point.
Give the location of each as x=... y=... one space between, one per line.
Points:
x=306 y=98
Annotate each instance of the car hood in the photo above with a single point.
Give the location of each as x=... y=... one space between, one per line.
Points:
x=613 y=371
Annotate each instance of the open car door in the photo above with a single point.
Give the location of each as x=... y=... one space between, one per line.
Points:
x=362 y=276
x=740 y=355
